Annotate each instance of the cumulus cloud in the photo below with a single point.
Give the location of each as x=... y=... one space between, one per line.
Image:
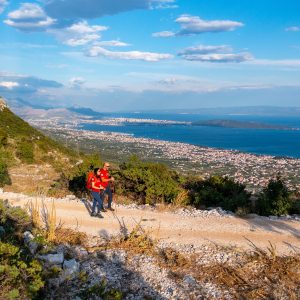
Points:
x=222 y=53
x=219 y=57
x=78 y=9
x=78 y=34
x=191 y=25
x=112 y=43
x=195 y=25
x=129 y=55
x=202 y=49
x=25 y=84
x=3 y=3
x=76 y=82
x=29 y=17
x=163 y=34
x=8 y=84
x=293 y=28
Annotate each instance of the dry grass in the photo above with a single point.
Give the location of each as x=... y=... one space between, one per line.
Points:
x=28 y=179
x=34 y=211
x=69 y=236
x=51 y=222
x=53 y=232
x=260 y=274
x=137 y=241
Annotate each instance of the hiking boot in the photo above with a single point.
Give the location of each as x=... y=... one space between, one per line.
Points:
x=99 y=216
x=93 y=214
x=110 y=208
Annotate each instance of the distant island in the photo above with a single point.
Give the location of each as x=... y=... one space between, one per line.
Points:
x=241 y=124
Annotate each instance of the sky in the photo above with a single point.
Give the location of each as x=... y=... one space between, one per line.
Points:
x=128 y=55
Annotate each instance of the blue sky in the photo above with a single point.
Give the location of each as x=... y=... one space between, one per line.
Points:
x=114 y=55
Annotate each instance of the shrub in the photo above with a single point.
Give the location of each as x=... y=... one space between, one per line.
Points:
x=77 y=176
x=275 y=199
x=3 y=137
x=25 y=152
x=4 y=175
x=148 y=182
x=218 y=191
x=14 y=219
x=19 y=278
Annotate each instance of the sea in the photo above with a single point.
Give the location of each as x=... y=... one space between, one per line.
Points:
x=279 y=143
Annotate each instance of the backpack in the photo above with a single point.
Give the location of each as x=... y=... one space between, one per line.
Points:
x=88 y=184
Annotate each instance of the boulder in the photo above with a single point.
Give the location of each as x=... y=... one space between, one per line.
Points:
x=29 y=242
x=52 y=259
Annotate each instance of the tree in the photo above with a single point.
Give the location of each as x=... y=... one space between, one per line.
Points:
x=275 y=199
x=148 y=182
x=218 y=191
x=4 y=175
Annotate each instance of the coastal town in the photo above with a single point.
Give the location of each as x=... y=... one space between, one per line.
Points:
x=250 y=169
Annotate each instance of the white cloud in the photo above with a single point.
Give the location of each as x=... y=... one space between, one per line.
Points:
x=219 y=57
x=76 y=82
x=78 y=34
x=3 y=4
x=221 y=53
x=163 y=34
x=195 y=25
x=9 y=84
x=112 y=43
x=191 y=25
x=293 y=28
x=129 y=55
x=29 y=17
x=202 y=49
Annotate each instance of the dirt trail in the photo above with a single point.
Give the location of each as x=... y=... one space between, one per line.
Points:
x=175 y=228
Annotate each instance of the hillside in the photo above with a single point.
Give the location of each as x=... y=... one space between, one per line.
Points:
x=28 y=158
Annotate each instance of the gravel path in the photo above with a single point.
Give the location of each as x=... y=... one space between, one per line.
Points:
x=183 y=229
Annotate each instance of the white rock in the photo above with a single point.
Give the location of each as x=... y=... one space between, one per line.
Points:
x=53 y=259
x=71 y=267
x=29 y=242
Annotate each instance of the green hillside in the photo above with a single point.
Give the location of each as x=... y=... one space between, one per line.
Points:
x=26 y=154
x=20 y=142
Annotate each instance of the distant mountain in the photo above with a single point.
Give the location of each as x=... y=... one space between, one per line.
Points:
x=85 y=111
x=240 y=124
x=243 y=110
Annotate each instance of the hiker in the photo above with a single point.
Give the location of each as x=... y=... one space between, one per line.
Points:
x=106 y=179
x=97 y=199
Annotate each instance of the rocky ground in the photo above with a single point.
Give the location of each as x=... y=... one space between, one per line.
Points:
x=182 y=228
x=185 y=245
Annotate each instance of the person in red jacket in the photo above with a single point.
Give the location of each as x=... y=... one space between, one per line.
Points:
x=106 y=179
x=97 y=199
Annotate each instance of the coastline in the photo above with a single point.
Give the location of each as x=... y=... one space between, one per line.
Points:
x=253 y=170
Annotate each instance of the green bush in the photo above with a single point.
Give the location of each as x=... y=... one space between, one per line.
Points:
x=148 y=182
x=25 y=152
x=20 y=276
x=218 y=191
x=15 y=220
x=4 y=175
x=275 y=199
x=3 y=137
x=20 y=279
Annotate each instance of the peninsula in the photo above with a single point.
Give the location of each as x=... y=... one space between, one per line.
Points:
x=241 y=124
